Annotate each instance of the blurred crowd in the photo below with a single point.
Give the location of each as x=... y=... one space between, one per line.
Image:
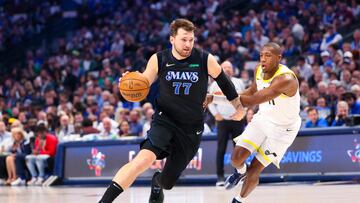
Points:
x=69 y=84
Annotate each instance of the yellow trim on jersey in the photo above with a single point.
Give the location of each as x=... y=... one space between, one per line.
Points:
x=283 y=96
x=257 y=75
x=281 y=70
x=266 y=158
x=270 y=79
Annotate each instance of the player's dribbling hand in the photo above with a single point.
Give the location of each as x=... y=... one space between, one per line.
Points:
x=208 y=100
x=125 y=73
x=122 y=75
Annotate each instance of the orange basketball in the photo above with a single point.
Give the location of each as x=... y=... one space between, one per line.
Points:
x=134 y=87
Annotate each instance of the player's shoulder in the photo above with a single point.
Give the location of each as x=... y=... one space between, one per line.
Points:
x=162 y=52
x=286 y=73
x=200 y=51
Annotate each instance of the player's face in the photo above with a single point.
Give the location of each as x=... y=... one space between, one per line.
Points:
x=269 y=60
x=183 y=42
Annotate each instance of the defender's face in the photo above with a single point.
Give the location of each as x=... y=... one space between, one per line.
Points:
x=183 y=42
x=268 y=59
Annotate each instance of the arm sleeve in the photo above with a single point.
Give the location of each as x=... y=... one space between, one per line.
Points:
x=226 y=86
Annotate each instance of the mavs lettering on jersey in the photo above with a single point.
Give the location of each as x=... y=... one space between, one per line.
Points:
x=182 y=86
x=179 y=75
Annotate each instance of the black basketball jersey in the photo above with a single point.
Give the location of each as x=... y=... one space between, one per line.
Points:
x=182 y=85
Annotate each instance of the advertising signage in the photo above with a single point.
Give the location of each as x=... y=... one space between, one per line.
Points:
x=318 y=154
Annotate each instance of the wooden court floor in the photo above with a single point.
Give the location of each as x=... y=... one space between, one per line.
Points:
x=265 y=193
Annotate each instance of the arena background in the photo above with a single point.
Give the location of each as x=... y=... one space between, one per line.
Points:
x=60 y=61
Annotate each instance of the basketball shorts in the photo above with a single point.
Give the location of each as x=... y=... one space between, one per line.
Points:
x=165 y=135
x=267 y=140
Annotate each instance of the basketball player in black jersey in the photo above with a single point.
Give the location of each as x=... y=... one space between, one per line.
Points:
x=177 y=125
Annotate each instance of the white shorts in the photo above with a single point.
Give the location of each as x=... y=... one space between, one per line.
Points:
x=270 y=141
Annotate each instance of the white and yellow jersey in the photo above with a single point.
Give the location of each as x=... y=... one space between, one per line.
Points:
x=283 y=110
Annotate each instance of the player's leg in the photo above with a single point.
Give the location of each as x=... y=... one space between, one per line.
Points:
x=248 y=142
x=127 y=174
x=238 y=158
x=176 y=162
x=222 y=139
x=183 y=149
x=251 y=180
x=153 y=147
x=270 y=151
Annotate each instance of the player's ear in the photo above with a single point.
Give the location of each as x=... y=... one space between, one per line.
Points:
x=172 y=39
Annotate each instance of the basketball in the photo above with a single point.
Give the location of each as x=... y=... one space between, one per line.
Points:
x=134 y=87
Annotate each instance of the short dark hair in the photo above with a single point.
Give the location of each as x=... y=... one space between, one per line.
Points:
x=87 y=122
x=311 y=109
x=276 y=47
x=348 y=95
x=40 y=128
x=181 y=23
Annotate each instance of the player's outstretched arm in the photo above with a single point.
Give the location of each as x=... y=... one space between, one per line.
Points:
x=225 y=84
x=283 y=84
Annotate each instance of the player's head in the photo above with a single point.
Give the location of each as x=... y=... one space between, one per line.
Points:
x=228 y=68
x=182 y=36
x=270 y=56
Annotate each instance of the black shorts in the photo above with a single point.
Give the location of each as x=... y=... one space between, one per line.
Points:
x=165 y=134
x=178 y=143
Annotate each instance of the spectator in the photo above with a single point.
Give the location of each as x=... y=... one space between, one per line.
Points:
x=331 y=37
x=87 y=127
x=304 y=68
x=148 y=118
x=314 y=120
x=124 y=129
x=355 y=44
x=351 y=100
x=323 y=110
x=356 y=90
x=65 y=129
x=134 y=122
x=249 y=115
x=44 y=148
x=108 y=130
x=15 y=162
x=5 y=144
x=342 y=114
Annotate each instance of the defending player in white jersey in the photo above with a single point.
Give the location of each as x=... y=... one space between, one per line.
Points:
x=273 y=128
